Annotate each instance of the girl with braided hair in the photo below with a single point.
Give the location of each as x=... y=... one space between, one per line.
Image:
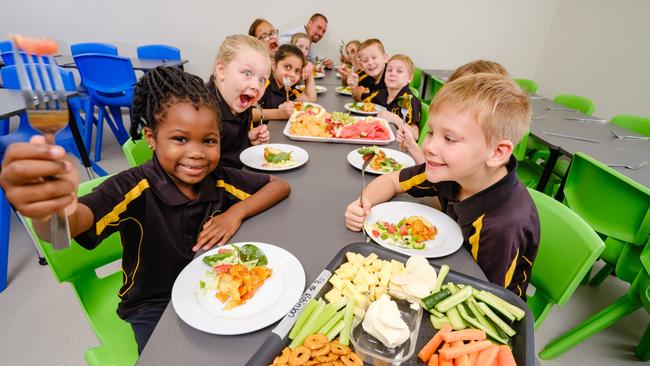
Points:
x=165 y=210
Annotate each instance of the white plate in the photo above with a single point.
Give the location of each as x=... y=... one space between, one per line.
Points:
x=287 y=132
x=338 y=76
x=270 y=303
x=253 y=157
x=378 y=108
x=448 y=240
x=305 y=104
x=319 y=75
x=341 y=90
x=319 y=89
x=356 y=160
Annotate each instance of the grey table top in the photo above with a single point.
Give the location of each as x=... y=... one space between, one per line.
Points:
x=309 y=224
x=138 y=64
x=12 y=104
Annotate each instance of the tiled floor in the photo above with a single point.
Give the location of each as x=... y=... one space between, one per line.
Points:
x=42 y=323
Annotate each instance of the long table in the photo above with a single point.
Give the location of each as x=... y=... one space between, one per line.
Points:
x=607 y=149
x=309 y=224
x=67 y=61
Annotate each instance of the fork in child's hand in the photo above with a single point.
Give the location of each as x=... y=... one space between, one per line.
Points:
x=49 y=115
x=287 y=84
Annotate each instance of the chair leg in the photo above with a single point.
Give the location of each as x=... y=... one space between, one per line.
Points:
x=41 y=259
x=604 y=272
x=585 y=279
x=88 y=124
x=603 y=319
x=119 y=131
x=4 y=126
x=100 y=132
x=5 y=223
x=643 y=349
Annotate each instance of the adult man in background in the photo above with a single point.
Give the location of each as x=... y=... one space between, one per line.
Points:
x=315 y=29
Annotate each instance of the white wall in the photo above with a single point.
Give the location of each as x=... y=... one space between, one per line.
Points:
x=600 y=49
x=435 y=33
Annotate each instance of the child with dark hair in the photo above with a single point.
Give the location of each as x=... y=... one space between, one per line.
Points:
x=165 y=210
x=289 y=67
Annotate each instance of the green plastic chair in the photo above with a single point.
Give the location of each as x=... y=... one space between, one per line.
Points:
x=424 y=123
x=566 y=242
x=415 y=92
x=616 y=207
x=137 y=152
x=637 y=124
x=417 y=79
x=527 y=85
x=637 y=296
x=97 y=296
x=579 y=103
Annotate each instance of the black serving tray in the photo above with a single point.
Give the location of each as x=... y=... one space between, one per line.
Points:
x=523 y=345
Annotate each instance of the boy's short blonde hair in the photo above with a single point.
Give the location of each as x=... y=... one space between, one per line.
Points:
x=235 y=43
x=495 y=101
x=479 y=66
x=405 y=59
x=371 y=42
x=352 y=42
x=296 y=36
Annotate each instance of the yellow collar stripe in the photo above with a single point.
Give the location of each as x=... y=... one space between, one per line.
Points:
x=114 y=215
x=412 y=182
x=369 y=98
x=266 y=85
x=232 y=190
x=511 y=270
x=476 y=237
x=363 y=77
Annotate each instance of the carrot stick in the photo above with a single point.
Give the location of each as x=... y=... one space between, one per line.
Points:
x=462 y=360
x=433 y=360
x=487 y=356
x=442 y=360
x=466 y=349
x=464 y=335
x=505 y=357
x=472 y=356
x=429 y=348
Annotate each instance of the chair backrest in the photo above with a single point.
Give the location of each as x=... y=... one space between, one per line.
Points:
x=424 y=123
x=579 y=103
x=8 y=58
x=105 y=73
x=77 y=262
x=568 y=248
x=417 y=78
x=5 y=46
x=519 y=151
x=415 y=92
x=637 y=124
x=527 y=85
x=158 y=52
x=137 y=152
x=613 y=204
x=10 y=78
x=93 y=47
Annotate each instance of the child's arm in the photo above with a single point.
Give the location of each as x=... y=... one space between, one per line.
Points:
x=222 y=227
x=309 y=94
x=406 y=139
x=357 y=91
x=382 y=189
x=23 y=170
x=399 y=122
x=283 y=112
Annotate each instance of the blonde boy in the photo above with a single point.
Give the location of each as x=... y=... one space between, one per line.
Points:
x=373 y=60
x=474 y=125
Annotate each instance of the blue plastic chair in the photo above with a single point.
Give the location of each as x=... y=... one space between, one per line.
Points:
x=5 y=46
x=110 y=81
x=8 y=58
x=93 y=47
x=5 y=223
x=158 y=52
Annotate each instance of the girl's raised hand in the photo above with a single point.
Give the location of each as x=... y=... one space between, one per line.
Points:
x=218 y=230
x=23 y=177
x=355 y=214
x=287 y=107
x=307 y=71
x=353 y=79
x=259 y=135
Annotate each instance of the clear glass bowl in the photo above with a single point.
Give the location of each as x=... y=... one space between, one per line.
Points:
x=373 y=352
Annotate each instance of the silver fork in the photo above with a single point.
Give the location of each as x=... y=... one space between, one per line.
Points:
x=629 y=136
x=48 y=116
x=363 y=187
x=630 y=166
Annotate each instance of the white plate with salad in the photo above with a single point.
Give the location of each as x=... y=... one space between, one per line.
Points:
x=365 y=108
x=194 y=292
x=385 y=160
x=274 y=157
x=345 y=90
x=319 y=88
x=411 y=228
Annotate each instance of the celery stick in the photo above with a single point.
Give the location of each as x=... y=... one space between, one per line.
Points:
x=331 y=323
x=335 y=330
x=303 y=333
x=302 y=318
x=442 y=273
x=344 y=339
x=323 y=317
x=454 y=299
x=495 y=301
x=340 y=304
x=497 y=321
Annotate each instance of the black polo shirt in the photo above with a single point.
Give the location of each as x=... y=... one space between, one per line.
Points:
x=275 y=94
x=500 y=224
x=414 y=106
x=158 y=224
x=372 y=84
x=234 y=130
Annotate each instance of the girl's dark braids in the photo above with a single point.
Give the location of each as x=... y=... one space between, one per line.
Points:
x=161 y=87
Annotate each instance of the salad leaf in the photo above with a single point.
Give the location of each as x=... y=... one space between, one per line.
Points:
x=213 y=260
x=279 y=157
x=250 y=252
